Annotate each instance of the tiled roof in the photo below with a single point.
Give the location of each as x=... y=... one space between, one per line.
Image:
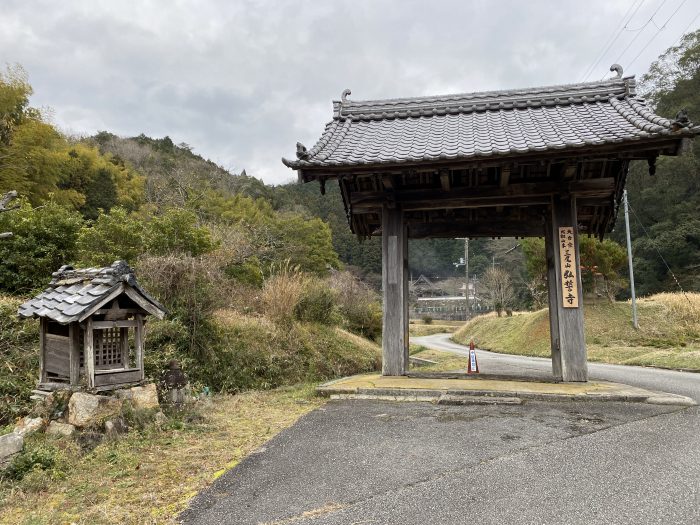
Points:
x=486 y=124
x=73 y=294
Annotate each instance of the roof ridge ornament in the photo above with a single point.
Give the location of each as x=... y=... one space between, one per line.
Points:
x=302 y=152
x=344 y=96
x=617 y=68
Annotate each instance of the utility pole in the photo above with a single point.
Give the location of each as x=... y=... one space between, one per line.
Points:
x=465 y=262
x=466 y=271
x=635 y=323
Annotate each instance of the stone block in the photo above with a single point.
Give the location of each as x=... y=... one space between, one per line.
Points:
x=85 y=410
x=141 y=397
x=29 y=425
x=60 y=429
x=10 y=444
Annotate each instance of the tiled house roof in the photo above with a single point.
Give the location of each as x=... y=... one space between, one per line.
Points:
x=488 y=124
x=75 y=294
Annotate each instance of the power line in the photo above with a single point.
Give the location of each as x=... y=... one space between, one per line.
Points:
x=623 y=26
x=686 y=29
x=657 y=32
x=651 y=18
x=653 y=243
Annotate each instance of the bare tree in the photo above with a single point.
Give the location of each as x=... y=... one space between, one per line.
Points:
x=537 y=287
x=498 y=289
x=6 y=199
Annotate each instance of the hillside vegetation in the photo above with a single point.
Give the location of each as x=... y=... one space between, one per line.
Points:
x=669 y=333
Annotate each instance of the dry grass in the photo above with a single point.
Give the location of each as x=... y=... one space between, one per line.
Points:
x=682 y=307
x=149 y=477
x=668 y=337
x=281 y=293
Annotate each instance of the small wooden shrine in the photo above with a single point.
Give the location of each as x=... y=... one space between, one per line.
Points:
x=91 y=328
x=537 y=162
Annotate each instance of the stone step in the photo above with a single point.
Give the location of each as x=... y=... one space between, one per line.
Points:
x=42 y=393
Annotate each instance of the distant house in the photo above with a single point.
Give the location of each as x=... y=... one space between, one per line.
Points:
x=91 y=328
x=424 y=287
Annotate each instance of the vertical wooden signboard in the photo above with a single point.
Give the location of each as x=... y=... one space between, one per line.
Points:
x=569 y=276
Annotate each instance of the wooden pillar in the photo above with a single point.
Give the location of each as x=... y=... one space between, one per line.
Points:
x=89 y=353
x=395 y=288
x=138 y=340
x=572 y=342
x=74 y=353
x=42 y=349
x=553 y=296
x=124 y=342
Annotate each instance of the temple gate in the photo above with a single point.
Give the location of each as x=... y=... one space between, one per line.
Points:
x=545 y=162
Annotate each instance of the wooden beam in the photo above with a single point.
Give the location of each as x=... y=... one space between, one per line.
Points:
x=105 y=325
x=522 y=194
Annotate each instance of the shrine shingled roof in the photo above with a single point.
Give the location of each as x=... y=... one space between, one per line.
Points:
x=74 y=294
x=488 y=124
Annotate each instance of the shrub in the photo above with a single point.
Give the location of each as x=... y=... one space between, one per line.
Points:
x=427 y=319
x=191 y=289
x=177 y=232
x=37 y=455
x=44 y=239
x=19 y=360
x=111 y=237
x=357 y=305
x=317 y=303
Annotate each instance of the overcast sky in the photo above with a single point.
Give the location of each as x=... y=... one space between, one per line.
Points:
x=242 y=81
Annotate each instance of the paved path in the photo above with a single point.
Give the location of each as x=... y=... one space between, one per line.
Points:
x=684 y=383
x=358 y=462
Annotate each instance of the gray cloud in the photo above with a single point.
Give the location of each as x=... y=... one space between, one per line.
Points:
x=242 y=81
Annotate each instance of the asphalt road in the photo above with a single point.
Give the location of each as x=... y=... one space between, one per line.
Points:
x=369 y=462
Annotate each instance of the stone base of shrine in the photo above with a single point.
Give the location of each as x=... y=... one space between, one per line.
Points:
x=452 y=388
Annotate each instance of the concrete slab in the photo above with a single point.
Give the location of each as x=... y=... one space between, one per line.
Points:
x=448 y=386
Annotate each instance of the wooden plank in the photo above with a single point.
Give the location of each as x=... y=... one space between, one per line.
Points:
x=570 y=291
x=445 y=180
x=56 y=355
x=553 y=299
x=74 y=351
x=117 y=378
x=89 y=353
x=124 y=340
x=394 y=362
x=105 y=325
x=138 y=341
x=572 y=343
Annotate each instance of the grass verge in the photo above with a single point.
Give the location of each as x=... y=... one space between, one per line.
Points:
x=149 y=476
x=668 y=337
x=419 y=329
x=445 y=361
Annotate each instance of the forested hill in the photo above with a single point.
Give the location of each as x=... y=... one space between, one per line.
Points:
x=665 y=222
x=92 y=190
x=176 y=176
